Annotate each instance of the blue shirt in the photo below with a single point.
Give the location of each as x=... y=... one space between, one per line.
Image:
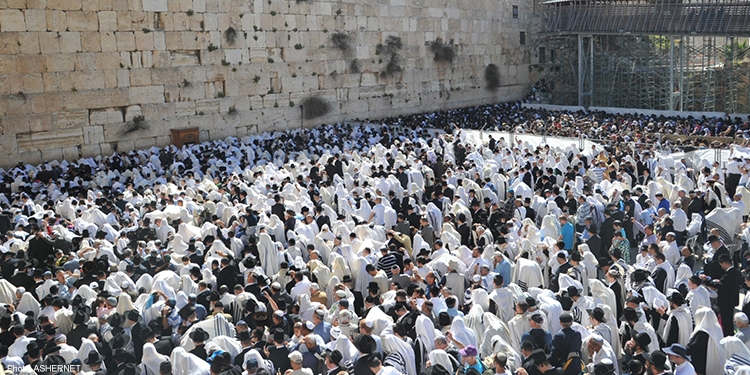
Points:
x=664 y=203
x=568 y=235
x=453 y=312
x=503 y=269
x=323 y=329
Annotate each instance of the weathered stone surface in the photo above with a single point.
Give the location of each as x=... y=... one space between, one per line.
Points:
x=12 y=20
x=148 y=94
x=50 y=139
x=105 y=116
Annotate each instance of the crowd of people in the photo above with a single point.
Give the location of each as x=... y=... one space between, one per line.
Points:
x=379 y=250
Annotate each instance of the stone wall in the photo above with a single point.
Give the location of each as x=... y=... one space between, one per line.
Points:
x=85 y=77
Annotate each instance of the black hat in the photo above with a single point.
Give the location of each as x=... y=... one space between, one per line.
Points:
x=94 y=358
x=365 y=344
x=120 y=340
x=199 y=335
x=572 y=291
x=725 y=258
x=538 y=357
x=657 y=358
x=133 y=315
x=640 y=275
x=186 y=311
x=643 y=340
x=444 y=319
x=115 y=320
x=243 y=336
x=215 y=296
x=5 y=321
x=32 y=347
x=279 y=335
x=346 y=279
x=676 y=298
x=80 y=316
x=531 y=301
x=131 y=368
x=629 y=314
x=50 y=349
x=437 y=369
x=147 y=333
x=713 y=238
x=566 y=318
x=124 y=356
x=677 y=350
x=604 y=369
x=598 y=314
x=334 y=356
x=50 y=329
x=373 y=286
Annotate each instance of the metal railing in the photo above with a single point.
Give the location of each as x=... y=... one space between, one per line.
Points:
x=648 y=17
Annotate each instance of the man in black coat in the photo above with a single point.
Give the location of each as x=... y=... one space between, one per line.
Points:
x=713 y=269
x=81 y=330
x=22 y=278
x=278 y=353
x=594 y=242
x=278 y=208
x=227 y=275
x=134 y=319
x=366 y=346
x=728 y=288
x=566 y=346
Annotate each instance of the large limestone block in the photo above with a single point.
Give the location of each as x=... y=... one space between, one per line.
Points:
x=70 y=42
x=125 y=41
x=107 y=21
x=50 y=139
x=12 y=20
x=36 y=19
x=105 y=116
x=91 y=42
x=30 y=64
x=29 y=43
x=147 y=94
x=82 y=21
x=64 y=4
x=155 y=6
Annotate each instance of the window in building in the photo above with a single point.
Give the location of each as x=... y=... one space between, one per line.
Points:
x=542 y=55
x=523 y=38
x=552 y=56
x=515 y=11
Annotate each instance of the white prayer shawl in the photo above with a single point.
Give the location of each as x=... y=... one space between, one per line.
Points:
x=527 y=273
x=184 y=363
x=504 y=302
x=698 y=297
x=381 y=321
x=218 y=326
x=43 y=290
x=348 y=351
x=426 y=332
x=68 y=352
x=733 y=346
x=685 y=323
x=151 y=360
x=705 y=320
x=392 y=344
x=462 y=333
x=64 y=320
x=440 y=357
x=228 y=344
x=7 y=292
x=666 y=266
x=18 y=348
x=602 y=294
x=494 y=327
x=29 y=303
x=683 y=275
x=499 y=345
x=87 y=346
x=517 y=327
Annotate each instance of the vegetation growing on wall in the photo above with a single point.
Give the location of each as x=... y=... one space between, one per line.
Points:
x=443 y=52
x=314 y=107
x=492 y=77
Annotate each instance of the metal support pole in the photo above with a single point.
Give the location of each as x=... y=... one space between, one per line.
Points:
x=671 y=73
x=591 y=71
x=580 y=70
x=682 y=73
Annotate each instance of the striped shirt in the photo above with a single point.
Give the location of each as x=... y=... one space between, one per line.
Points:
x=386 y=263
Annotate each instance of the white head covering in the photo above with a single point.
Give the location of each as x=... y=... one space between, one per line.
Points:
x=391 y=343
x=184 y=363
x=705 y=320
x=439 y=356
x=462 y=333
x=151 y=359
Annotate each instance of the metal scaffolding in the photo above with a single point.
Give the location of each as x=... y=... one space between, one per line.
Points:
x=688 y=73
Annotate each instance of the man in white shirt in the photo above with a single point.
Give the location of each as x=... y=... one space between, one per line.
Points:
x=378 y=212
x=679 y=221
x=738 y=203
x=678 y=355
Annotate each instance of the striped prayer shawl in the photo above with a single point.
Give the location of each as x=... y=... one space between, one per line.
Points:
x=397 y=361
